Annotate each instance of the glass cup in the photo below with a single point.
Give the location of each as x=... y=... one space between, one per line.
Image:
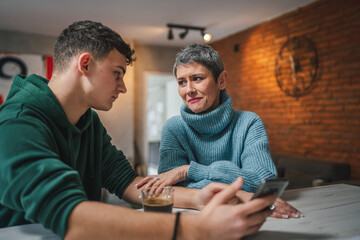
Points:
x=158 y=199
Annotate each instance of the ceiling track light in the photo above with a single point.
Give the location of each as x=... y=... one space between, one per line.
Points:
x=183 y=34
x=206 y=36
x=170 y=34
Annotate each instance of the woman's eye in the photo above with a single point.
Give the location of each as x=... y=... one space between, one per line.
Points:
x=181 y=83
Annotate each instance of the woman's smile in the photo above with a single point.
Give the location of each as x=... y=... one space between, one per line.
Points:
x=194 y=100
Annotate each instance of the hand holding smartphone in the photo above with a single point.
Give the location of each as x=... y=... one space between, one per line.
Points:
x=276 y=187
x=271 y=186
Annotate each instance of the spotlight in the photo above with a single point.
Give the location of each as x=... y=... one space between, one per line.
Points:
x=183 y=34
x=170 y=34
x=206 y=36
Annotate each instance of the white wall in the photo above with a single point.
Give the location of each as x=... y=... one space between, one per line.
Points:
x=173 y=99
x=162 y=102
x=156 y=59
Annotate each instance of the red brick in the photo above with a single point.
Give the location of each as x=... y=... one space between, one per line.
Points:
x=324 y=124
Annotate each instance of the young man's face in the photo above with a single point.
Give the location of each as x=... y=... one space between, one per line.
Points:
x=197 y=87
x=107 y=79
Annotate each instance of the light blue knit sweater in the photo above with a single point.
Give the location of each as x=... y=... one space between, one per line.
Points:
x=220 y=146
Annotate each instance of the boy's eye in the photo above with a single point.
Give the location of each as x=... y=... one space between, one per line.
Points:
x=117 y=74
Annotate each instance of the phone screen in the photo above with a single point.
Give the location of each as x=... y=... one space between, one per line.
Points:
x=271 y=186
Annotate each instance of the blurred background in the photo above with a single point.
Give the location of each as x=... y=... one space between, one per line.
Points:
x=312 y=120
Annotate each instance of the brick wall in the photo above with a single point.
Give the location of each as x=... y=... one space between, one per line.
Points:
x=325 y=123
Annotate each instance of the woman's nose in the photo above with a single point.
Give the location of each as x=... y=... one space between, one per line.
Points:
x=190 y=89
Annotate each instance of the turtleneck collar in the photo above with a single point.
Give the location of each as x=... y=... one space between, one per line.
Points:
x=212 y=122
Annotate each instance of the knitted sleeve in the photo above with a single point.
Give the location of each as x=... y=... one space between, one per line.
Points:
x=171 y=158
x=172 y=151
x=255 y=163
x=172 y=155
x=194 y=184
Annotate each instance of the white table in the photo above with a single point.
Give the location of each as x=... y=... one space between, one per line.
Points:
x=331 y=212
x=27 y=232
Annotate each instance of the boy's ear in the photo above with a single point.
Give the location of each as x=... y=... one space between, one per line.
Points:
x=222 y=79
x=83 y=63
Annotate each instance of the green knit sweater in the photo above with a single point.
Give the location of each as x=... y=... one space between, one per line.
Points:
x=48 y=165
x=219 y=146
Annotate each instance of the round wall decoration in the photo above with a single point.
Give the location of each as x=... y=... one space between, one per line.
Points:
x=296 y=66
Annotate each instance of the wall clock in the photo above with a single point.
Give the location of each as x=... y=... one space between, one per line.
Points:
x=16 y=63
x=10 y=66
x=296 y=66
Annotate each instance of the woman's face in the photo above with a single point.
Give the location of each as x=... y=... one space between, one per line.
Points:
x=197 y=87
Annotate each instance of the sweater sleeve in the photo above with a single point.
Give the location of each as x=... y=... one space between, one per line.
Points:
x=194 y=184
x=33 y=180
x=255 y=162
x=172 y=152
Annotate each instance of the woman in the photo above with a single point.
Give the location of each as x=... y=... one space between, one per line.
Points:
x=210 y=141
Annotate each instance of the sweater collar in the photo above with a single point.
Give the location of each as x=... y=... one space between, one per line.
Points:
x=212 y=122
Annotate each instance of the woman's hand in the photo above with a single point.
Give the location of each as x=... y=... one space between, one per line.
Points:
x=282 y=208
x=285 y=210
x=165 y=179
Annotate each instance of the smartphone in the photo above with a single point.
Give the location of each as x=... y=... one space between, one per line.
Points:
x=271 y=186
